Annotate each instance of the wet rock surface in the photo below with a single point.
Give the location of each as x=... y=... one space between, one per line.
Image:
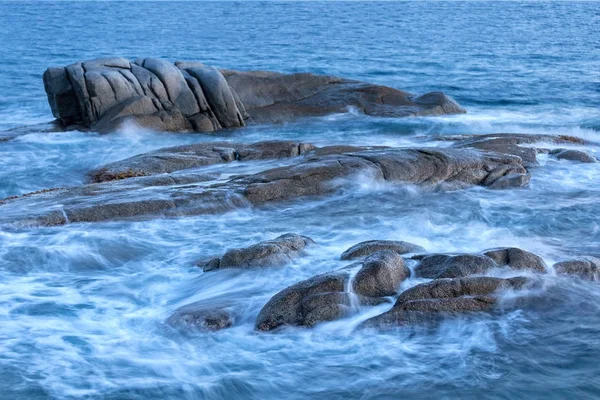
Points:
x=435 y=266
x=525 y=146
x=197 y=316
x=380 y=275
x=369 y=247
x=432 y=301
x=573 y=155
x=178 y=158
x=102 y=94
x=187 y=193
x=270 y=253
x=587 y=268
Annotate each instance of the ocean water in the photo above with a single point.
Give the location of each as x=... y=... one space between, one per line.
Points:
x=82 y=306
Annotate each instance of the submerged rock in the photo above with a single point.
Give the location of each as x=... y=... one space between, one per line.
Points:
x=369 y=247
x=101 y=94
x=587 y=268
x=196 y=316
x=270 y=253
x=442 y=298
x=573 y=155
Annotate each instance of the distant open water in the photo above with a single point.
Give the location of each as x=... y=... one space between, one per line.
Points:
x=82 y=306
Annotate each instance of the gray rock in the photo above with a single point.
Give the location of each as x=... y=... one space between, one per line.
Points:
x=573 y=155
x=587 y=268
x=303 y=304
x=453 y=266
x=443 y=298
x=510 y=143
x=380 y=275
x=371 y=246
x=197 y=316
x=171 y=159
x=517 y=259
x=313 y=175
x=102 y=94
x=270 y=253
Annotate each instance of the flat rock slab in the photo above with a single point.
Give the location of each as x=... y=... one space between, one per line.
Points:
x=270 y=253
x=102 y=94
x=178 y=194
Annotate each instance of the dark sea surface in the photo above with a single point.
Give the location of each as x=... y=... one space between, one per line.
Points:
x=82 y=306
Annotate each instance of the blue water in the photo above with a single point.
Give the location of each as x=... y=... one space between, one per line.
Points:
x=82 y=306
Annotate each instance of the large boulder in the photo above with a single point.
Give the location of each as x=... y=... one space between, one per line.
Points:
x=517 y=259
x=442 y=298
x=369 y=247
x=270 y=253
x=102 y=94
x=587 y=268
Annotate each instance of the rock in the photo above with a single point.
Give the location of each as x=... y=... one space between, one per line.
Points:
x=438 y=266
x=371 y=246
x=510 y=143
x=587 y=268
x=311 y=175
x=317 y=299
x=171 y=159
x=381 y=274
x=102 y=94
x=327 y=297
x=270 y=253
x=198 y=317
x=442 y=298
x=573 y=155
x=435 y=266
x=517 y=259
x=451 y=167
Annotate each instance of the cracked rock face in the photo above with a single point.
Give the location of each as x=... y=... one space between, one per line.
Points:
x=102 y=94
x=270 y=253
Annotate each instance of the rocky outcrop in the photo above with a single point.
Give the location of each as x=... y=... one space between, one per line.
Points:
x=436 y=266
x=270 y=253
x=587 y=268
x=331 y=296
x=309 y=176
x=512 y=143
x=197 y=316
x=369 y=247
x=573 y=155
x=101 y=94
x=443 y=298
x=171 y=159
